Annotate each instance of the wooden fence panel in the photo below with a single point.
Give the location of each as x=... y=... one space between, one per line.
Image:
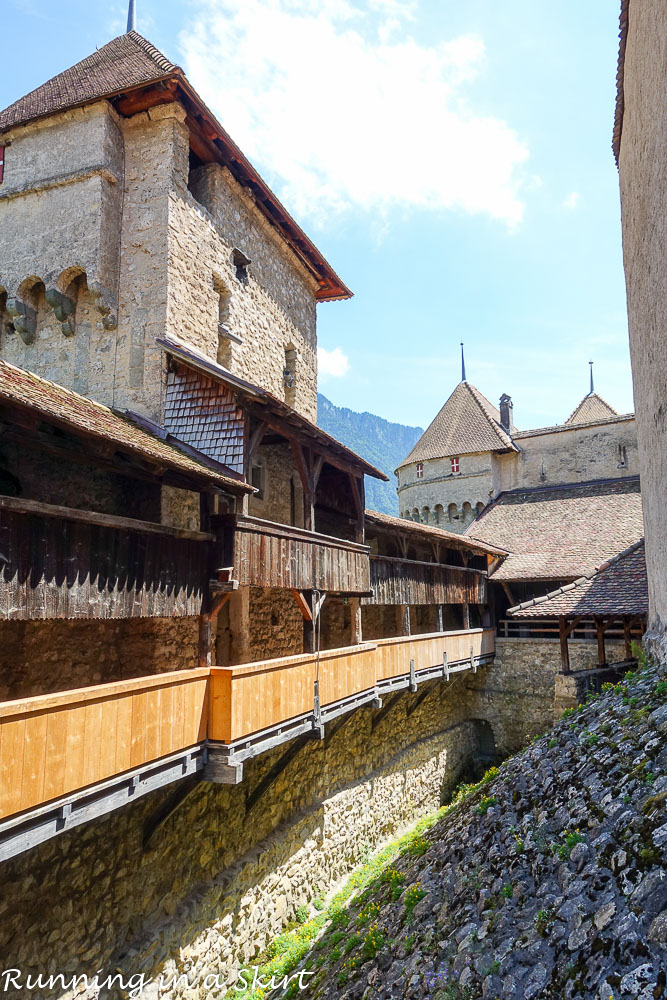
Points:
x=408 y=581
x=53 y=745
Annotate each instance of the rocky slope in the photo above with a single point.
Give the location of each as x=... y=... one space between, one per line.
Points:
x=549 y=881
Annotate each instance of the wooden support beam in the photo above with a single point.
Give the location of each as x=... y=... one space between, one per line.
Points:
x=356 y=636
x=599 y=631
x=255 y=441
x=508 y=593
x=441 y=618
x=423 y=694
x=564 y=649
x=269 y=779
x=403 y=619
x=386 y=708
x=465 y=609
x=627 y=635
x=166 y=810
x=303 y=605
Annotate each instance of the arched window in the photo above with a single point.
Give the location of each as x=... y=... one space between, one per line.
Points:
x=415 y=514
x=479 y=508
x=453 y=512
x=438 y=513
x=467 y=511
x=426 y=515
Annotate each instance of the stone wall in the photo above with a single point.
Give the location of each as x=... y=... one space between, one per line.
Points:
x=643 y=182
x=271 y=309
x=214 y=883
x=570 y=454
x=517 y=695
x=281 y=487
x=442 y=498
x=39 y=657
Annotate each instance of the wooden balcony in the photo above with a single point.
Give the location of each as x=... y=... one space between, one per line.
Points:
x=267 y=554
x=60 y=562
x=408 y=581
x=66 y=758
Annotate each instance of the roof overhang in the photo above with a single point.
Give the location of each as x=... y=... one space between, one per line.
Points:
x=273 y=411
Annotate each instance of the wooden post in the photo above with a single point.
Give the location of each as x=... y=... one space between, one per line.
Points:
x=602 y=655
x=404 y=619
x=564 y=650
x=356 y=636
x=441 y=622
x=466 y=615
x=627 y=635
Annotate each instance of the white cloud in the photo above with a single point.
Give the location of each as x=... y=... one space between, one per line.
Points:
x=345 y=111
x=334 y=363
x=572 y=200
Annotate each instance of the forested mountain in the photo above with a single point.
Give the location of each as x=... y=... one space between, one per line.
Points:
x=379 y=441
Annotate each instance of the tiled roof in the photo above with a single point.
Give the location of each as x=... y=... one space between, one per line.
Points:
x=466 y=424
x=591 y=408
x=79 y=414
x=125 y=62
x=620 y=73
x=293 y=422
x=618 y=587
x=428 y=532
x=560 y=533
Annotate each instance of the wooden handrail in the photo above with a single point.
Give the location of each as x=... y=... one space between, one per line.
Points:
x=56 y=744
x=21 y=506
x=250 y=523
x=432 y=565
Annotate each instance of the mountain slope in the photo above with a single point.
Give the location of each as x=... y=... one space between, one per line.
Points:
x=546 y=882
x=381 y=442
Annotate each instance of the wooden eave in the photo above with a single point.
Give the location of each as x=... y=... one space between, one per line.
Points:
x=99 y=450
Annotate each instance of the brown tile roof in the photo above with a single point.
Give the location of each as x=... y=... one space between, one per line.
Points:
x=591 y=408
x=426 y=531
x=466 y=424
x=620 y=72
x=560 y=533
x=129 y=63
x=618 y=587
x=125 y=62
x=262 y=399
x=78 y=414
x=559 y=428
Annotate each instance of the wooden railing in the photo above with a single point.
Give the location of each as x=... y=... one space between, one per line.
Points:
x=408 y=581
x=267 y=554
x=54 y=745
x=254 y=697
x=548 y=628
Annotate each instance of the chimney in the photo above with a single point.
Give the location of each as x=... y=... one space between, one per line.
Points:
x=506 y=410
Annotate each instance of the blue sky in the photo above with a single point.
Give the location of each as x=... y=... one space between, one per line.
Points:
x=452 y=160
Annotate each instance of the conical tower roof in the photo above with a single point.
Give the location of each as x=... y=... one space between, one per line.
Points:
x=591 y=408
x=466 y=424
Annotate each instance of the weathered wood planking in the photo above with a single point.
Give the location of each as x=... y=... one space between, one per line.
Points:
x=407 y=581
x=62 y=568
x=266 y=554
x=53 y=745
x=255 y=696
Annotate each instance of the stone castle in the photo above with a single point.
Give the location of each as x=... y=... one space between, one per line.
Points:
x=472 y=452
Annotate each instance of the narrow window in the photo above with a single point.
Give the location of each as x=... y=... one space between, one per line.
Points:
x=257 y=480
x=2 y=163
x=455 y=465
x=420 y=471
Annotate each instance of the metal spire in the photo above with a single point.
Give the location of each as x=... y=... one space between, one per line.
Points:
x=463 y=365
x=591 y=392
x=132 y=17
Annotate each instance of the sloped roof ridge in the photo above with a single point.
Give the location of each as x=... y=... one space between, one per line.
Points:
x=489 y=411
x=591 y=396
x=580 y=580
x=126 y=61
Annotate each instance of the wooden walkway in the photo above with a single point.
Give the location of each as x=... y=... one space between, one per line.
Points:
x=56 y=747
